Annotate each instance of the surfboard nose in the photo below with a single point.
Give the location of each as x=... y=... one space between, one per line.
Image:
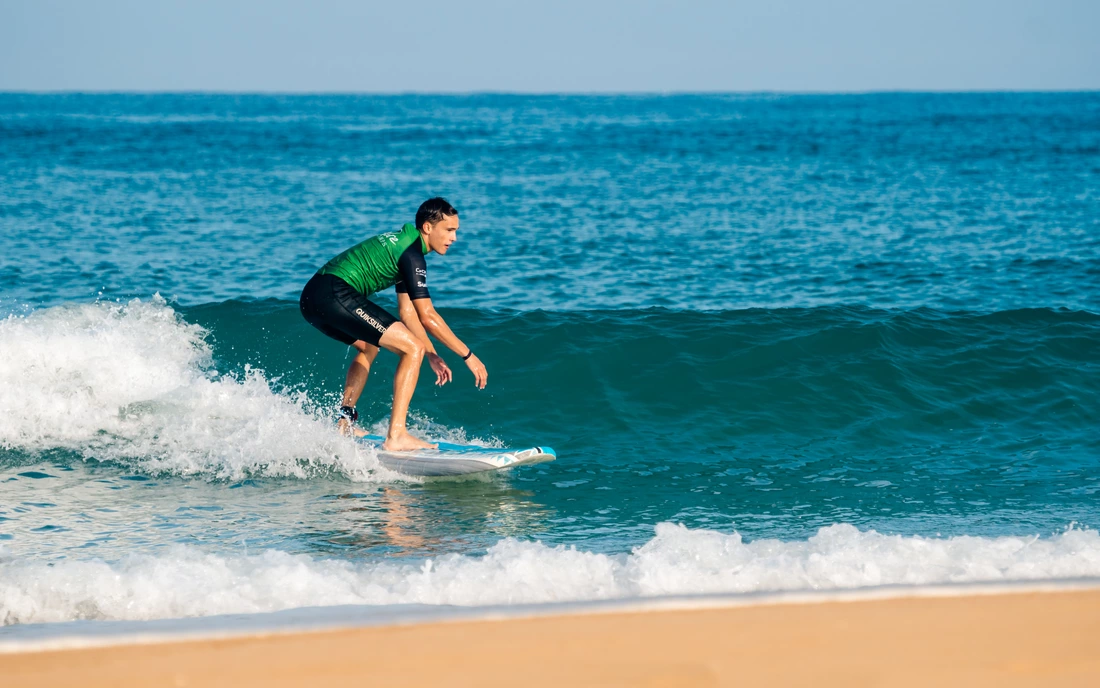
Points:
x=548 y=450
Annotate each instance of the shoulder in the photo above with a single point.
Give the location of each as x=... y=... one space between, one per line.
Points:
x=400 y=240
x=409 y=234
x=413 y=254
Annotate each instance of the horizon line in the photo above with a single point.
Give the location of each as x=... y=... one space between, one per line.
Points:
x=596 y=93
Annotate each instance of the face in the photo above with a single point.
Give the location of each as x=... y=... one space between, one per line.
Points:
x=442 y=234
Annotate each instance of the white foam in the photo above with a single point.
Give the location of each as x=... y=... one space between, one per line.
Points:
x=134 y=383
x=436 y=432
x=185 y=582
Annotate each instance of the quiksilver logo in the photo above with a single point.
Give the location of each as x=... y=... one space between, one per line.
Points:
x=369 y=320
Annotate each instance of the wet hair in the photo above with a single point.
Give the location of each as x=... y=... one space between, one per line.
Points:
x=434 y=210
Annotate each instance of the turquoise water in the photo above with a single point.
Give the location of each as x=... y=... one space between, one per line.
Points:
x=779 y=342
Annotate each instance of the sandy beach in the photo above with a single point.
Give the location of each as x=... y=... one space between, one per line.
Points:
x=1022 y=638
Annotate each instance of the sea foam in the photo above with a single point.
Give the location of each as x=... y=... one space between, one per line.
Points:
x=186 y=582
x=135 y=383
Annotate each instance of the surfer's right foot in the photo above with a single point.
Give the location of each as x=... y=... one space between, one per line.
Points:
x=348 y=415
x=348 y=430
x=406 y=442
x=344 y=426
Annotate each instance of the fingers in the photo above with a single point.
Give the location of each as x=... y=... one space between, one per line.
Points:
x=442 y=372
x=481 y=375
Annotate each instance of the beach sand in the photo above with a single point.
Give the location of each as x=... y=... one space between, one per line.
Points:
x=1019 y=638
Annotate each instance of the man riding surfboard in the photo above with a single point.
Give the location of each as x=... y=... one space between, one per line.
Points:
x=335 y=302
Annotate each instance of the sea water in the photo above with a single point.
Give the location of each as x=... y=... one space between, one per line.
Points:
x=779 y=343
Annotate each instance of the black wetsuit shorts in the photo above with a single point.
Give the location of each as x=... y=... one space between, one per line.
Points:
x=332 y=306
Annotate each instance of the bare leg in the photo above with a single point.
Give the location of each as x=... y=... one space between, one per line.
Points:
x=356 y=380
x=402 y=342
x=358 y=372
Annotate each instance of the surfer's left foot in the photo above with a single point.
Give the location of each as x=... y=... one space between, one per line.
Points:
x=406 y=442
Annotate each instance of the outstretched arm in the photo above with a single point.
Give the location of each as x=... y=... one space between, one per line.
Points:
x=433 y=322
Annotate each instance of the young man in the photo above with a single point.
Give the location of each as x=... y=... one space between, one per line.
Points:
x=335 y=302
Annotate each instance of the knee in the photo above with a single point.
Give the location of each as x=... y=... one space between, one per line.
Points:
x=409 y=345
x=416 y=349
x=402 y=342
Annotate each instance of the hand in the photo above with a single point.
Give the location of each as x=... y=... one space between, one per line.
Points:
x=481 y=376
x=442 y=372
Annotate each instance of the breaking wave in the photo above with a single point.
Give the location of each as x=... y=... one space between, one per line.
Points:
x=186 y=582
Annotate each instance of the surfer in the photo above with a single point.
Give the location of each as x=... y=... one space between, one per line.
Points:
x=335 y=302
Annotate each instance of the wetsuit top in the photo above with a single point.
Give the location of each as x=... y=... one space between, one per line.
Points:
x=394 y=258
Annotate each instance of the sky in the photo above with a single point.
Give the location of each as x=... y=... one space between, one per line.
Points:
x=563 y=46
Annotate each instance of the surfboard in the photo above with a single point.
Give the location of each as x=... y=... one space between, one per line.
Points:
x=456 y=459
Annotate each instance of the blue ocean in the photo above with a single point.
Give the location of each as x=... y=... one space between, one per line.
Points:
x=779 y=342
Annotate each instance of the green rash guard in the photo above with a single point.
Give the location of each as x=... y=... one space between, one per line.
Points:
x=371 y=266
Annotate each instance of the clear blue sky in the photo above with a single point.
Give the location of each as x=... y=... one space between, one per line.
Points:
x=561 y=46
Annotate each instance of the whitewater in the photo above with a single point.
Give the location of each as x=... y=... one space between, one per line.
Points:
x=677 y=561
x=133 y=383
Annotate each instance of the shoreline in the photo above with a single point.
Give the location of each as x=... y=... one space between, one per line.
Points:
x=980 y=635
x=91 y=634
x=83 y=634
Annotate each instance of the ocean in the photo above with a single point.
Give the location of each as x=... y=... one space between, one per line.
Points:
x=779 y=342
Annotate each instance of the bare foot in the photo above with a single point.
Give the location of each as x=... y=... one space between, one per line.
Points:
x=406 y=442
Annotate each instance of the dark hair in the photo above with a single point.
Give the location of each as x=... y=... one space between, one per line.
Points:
x=433 y=210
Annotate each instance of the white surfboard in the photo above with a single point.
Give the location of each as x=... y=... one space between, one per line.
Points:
x=455 y=459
